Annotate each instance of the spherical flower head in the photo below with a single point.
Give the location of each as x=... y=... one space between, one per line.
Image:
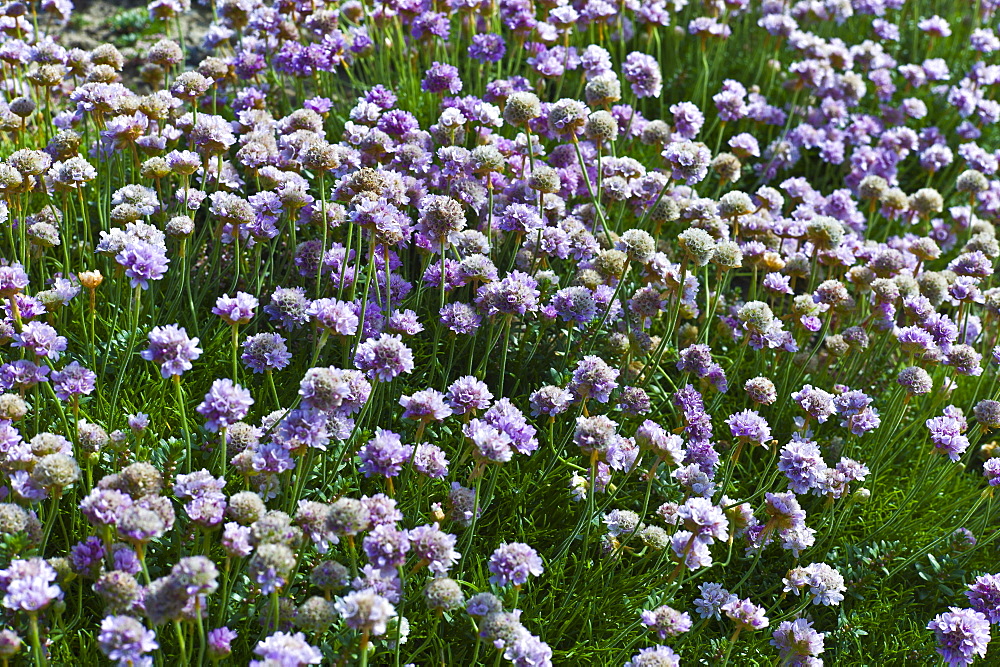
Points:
x=441 y=78
x=270 y=566
x=745 y=614
x=688 y=160
x=143 y=262
x=384 y=358
x=425 y=405
x=962 y=634
x=220 y=643
x=750 y=427
x=655 y=656
x=41 y=339
x=289 y=307
x=10 y=643
x=638 y=244
x=73 y=380
x=567 y=117
x=237 y=309
x=595 y=434
x=225 y=404
x=796 y=640
x=634 y=401
x=697 y=244
x=339 y=317
x=196 y=574
x=667 y=621
x=13 y=279
x=522 y=107
x=284 y=648
x=915 y=380
x=515 y=294
x=987 y=413
x=444 y=594
x=384 y=455
x=984 y=596
x=172 y=349
x=711 y=600
x=265 y=351
x=816 y=402
x=642 y=71
x=761 y=390
x=468 y=394
x=483 y=604
x=126 y=639
x=593 y=378
x=347 y=516
x=513 y=563
x=434 y=547
x=324 y=389
x=550 y=400
x=991 y=470
x=28 y=585
x=784 y=510
x=364 y=610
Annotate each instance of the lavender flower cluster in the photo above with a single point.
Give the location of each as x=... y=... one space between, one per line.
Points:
x=402 y=332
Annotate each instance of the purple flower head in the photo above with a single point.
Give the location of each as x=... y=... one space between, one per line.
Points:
x=984 y=596
x=384 y=358
x=491 y=444
x=468 y=394
x=386 y=547
x=991 y=470
x=289 y=307
x=512 y=564
x=642 y=71
x=961 y=634
x=593 y=378
x=750 y=427
x=802 y=463
x=797 y=641
x=711 y=600
x=441 y=78
x=220 y=643
x=22 y=375
x=515 y=294
x=284 y=648
x=947 y=434
x=339 y=317
x=237 y=309
x=41 y=339
x=425 y=405
x=436 y=547
x=784 y=511
x=658 y=656
x=384 y=455
x=28 y=585
x=745 y=614
x=667 y=621
x=225 y=404
x=487 y=48
x=126 y=640
x=143 y=262
x=13 y=279
x=460 y=318
x=172 y=349
x=505 y=417
x=263 y=352
x=816 y=402
x=430 y=460
x=550 y=400
x=364 y=610
x=73 y=380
